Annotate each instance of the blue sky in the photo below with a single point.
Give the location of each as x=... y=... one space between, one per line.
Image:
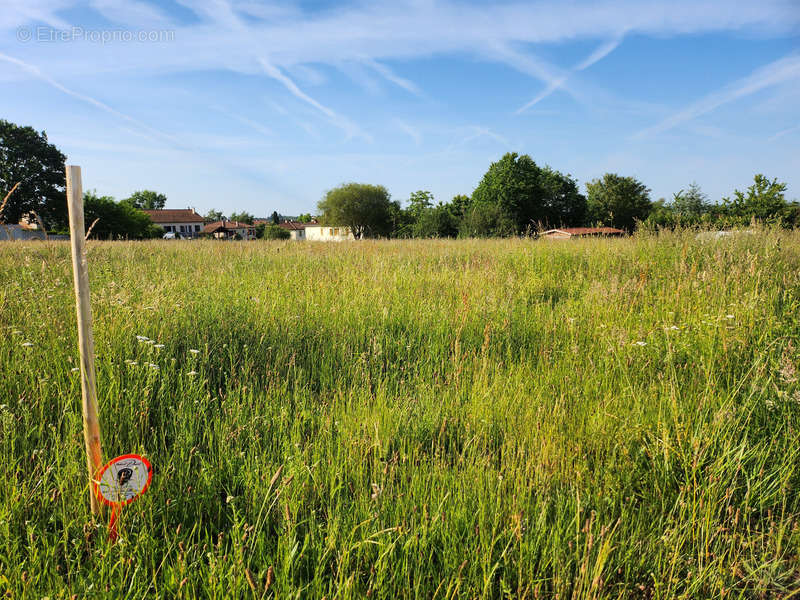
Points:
x=262 y=106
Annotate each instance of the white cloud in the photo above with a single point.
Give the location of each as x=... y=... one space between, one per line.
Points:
x=412 y=132
x=154 y=134
x=779 y=71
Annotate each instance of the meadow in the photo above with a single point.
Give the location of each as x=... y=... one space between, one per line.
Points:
x=410 y=419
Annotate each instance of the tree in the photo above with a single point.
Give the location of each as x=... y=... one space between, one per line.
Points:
x=366 y=209
x=243 y=217
x=763 y=200
x=618 y=201
x=213 y=216
x=275 y=232
x=486 y=220
x=276 y=218
x=27 y=158
x=146 y=200
x=690 y=205
x=304 y=218
x=436 y=222
x=116 y=220
x=459 y=205
x=527 y=195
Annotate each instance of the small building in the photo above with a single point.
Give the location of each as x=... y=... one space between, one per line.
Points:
x=297 y=231
x=180 y=221
x=566 y=233
x=328 y=233
x=21 y=232
x=225 y=230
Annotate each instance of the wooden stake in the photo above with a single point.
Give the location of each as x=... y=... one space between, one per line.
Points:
x=91 y=426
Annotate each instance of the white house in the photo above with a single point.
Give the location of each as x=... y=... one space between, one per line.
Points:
x=297 y=231
x=328 y=233
x=182 y=221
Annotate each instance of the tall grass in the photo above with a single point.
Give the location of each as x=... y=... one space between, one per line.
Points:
x=441 y=419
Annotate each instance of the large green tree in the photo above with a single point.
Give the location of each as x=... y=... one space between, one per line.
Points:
x=366 y=209
x=763 y=200
x=618 y=201
x=243 y=217
x=116 y=220
x=28 y=158
x=525 y=195
x=146 y=200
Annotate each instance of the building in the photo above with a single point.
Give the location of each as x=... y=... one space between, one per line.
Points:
x=224 y=230
x=180 y=221
x=297 y=231
x=566 y=233
x=328 y=233
x=21 y=232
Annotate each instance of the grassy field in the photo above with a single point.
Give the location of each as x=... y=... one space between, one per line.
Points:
x=427 y=419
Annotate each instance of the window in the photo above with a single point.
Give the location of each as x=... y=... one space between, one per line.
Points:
x=335 y=231
x=183 y=229
x=197 y=227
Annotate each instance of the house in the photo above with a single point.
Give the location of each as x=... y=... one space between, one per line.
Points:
x=297 y=231
x=223 y=230
x=328 y=233
x=566 y=233
x=180 y=221
x=21 y=232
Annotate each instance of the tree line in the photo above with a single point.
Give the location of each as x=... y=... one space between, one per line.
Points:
x=515 y=197
x=518 y=197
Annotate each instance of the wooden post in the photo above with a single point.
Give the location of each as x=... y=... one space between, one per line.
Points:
x=91 y=426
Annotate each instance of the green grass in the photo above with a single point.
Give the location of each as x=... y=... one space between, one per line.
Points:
x=441 y=419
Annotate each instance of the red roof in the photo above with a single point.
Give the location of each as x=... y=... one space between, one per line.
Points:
x=227 y=226
x=586 y=231
x=174 y=215
x=292 y=225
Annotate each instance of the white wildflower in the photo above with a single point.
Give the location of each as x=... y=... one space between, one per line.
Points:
x=27 y=344
x=154 y=366
x=730 y=316
x=142 y=338
x=640 y=343
x=158 y=346
x=74 y=369
x=192 y=373
x=16 y=332
x=194 y=351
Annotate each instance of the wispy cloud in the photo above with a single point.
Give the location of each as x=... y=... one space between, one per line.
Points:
x=391 y=76
x=784 y=132
x=779 y=71
x=600 y=53
x=412 y=132
x=254 y=125
x=154 y=134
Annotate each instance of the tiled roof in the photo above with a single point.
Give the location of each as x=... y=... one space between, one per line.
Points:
x=226 y=225
x=586 y=231
x=174 y=215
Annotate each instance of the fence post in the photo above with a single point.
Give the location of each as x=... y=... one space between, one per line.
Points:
x=91 y=426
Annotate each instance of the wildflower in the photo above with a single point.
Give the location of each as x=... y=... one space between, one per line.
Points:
x=640 y=343
x=192 y=373
x=154 y=366
x=142 y=338
x=674 y=328
x=74 y=369
x=130 y=362
x=158 y=346
x=27 y=344
x=194 y=351
x=730 y=316
x=16 y=332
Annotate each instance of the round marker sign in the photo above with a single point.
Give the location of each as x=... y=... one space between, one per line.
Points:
x=123 y=479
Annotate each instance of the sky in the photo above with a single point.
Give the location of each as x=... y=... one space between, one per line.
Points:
x=247 y=105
